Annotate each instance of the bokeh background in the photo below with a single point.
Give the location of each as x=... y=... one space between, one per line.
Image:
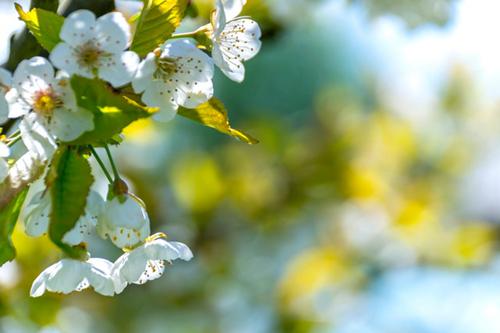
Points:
x=370 y=205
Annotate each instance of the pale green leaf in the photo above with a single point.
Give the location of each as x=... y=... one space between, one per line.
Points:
x=69 y=179
x=8 y=218
x=43 y=24
x=158 y=20
x=213 y=114
x=112 y=111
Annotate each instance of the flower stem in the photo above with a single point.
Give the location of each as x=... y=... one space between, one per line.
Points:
x=101 y=164
x=113 y=166
x=13 y=140
x=184 y=35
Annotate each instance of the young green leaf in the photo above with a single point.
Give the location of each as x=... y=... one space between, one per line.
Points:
x=112 y=111
x=70 y=179
x=158 y=20
x=214 y=114
x=8 y=219
x=43 y=24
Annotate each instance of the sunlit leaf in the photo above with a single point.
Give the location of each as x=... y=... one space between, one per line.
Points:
x=112 y=111
x=213 y=114
x=158 y=20
x=69 y=179
x=8 y=219
x=43 y=24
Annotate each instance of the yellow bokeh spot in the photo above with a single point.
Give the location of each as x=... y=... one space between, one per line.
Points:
x=197 y=182
x=363 y=183
x=140 y=131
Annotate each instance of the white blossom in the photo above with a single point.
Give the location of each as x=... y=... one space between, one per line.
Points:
x=178 y=74
x=147 y=262
x=5 y=83
x=235 y=39
x=4 y=167
x=232 y=8
x=96 y=47
x=36 y=218
x=70 y=275
x=124 y=221
x=47 y=101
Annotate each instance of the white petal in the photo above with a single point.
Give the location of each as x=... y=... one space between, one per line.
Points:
x=144 y=74
x=154 y=270
x=5 y=77
x=66 y=276
x=4 y=170
x=120 y=69
x=161 y=95
x=126 y=224
x=4 y=108
x=37 y=67
x=218 y=18
x=184 y=251
x=238 y=42
x=69 y=125
x=4 y=150
x=113 y=32
x=131 y=265
x=63 y=57
x=36 y=137
x=233 y=8
x=36 y=214
x=17 y=107
x=78 y=27
x=100 y=276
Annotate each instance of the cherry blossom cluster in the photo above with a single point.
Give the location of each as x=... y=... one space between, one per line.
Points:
x=39 y=95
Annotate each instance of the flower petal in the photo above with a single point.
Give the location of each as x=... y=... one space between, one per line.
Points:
x=100 y=277
x=78 y=27
x=113 y=32
x=69 y=125
x=36 y=214
x=119 y=69
x=161 y=95
x=144 y=74
x=5 y=77
x=17 y=106
x=4 y=150
x=35 y=67
x=4 y=169
x=63 y=57
x=233 y=8
x=66 y=276
x=36 y=137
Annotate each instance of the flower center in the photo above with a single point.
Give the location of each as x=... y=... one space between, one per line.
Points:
x=46 y=102
x=166 y=67
x=89 y=55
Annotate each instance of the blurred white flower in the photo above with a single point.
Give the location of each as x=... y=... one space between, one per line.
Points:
x=70 y=275
x=50 y=98
x=4 y=167
x=177 y=74
x=124 y=220
x=147 y=262
x=5 y=83
x=235 y=39
x=95 y=47
x=36 y=218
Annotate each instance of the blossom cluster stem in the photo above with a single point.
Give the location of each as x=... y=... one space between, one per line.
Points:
x=112 y=162
x=101 y=164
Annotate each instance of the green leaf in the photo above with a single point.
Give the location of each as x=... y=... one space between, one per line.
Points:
x=8 y=219
x=158 y=20
x=112 y=111
x=69 y=179
x=214 y=114
x=43 y=24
